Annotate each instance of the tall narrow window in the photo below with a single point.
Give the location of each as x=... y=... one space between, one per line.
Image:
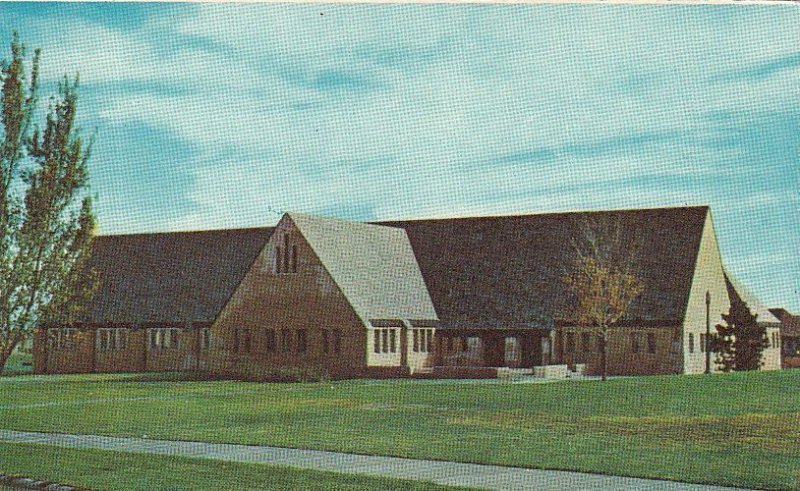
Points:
x=325 y=347
x=301 y=340
x=174 y=336
x=102 y=335
x=270 y=334
x=415 y=335
x=376 y=340
x=235 y=341
x=586 y=340
x=570 y=342
x=337 y=337
x=392 y=341
x=246 y=339
x=278 y=260
x=651 y=342
x=286 y=254
x=429 y=343
x=286 y=340
x=635 y=342
x=206 y=339
x=702 y=343
x=691 y=343
x=294 y=259
x=385 y=340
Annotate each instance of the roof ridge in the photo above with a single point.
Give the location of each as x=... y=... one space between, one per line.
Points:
x=546 y=213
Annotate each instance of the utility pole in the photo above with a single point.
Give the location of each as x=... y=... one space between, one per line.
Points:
x=708 y=332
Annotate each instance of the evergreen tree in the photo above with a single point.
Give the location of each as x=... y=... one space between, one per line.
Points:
x=741 y=340
x=46 y=218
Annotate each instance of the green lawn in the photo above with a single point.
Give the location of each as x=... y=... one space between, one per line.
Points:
x=739 y=429
x=103 y=469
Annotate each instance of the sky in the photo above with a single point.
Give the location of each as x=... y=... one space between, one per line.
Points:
x=224 y=116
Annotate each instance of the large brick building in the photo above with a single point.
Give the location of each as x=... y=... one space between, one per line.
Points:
x=388 y=299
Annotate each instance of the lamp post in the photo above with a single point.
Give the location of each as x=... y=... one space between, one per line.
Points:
x=708 y=332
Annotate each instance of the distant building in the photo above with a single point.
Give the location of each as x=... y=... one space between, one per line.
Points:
x=393 y=298
x=789 y=337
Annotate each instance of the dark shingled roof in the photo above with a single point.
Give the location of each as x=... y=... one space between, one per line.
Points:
x=480 y=272
x=506 y=271
x=170 y=277
x=790 y=324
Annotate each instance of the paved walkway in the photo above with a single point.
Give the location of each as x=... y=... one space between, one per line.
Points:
x=448 y=473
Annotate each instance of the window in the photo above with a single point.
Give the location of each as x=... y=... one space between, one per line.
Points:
x=376 y=333
x=430 y=340
x=278 y=260
x=325 y=342
x=153 y=338
x=102 y=339
x=415 y=336
x=393 y=341
x=246 y=340
x=703 y=341
x=586 y=341
x=337 y=336
x=112 y=339
x=286 y=254
x=235 y=341
x=635 y=342
x=286 y=336
x=651 y=342
x=385 y=340
x=600 y=342
x=294 y=259
x=205 y=339
x=270 y=340
x=570 y=342
x=174 y=335
x=301 y=340
x=691 y=343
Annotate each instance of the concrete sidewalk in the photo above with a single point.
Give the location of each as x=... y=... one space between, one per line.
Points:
x=448 y=473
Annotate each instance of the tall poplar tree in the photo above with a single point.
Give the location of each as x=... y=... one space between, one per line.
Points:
x=46 y=218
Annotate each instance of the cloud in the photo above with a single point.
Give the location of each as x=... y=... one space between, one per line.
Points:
x=761 y=69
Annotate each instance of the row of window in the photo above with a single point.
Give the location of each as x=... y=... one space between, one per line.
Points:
x=291 y=340
x=385 y=340
x=285 y=257
x=470 y=344
x=422 y=340
x=776 y=340
x=637 y=341
x=704 y=345
x=112 y=339
x=64 y=338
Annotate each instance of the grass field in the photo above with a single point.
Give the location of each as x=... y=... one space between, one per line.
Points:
x=99 y=469
x=739 y=429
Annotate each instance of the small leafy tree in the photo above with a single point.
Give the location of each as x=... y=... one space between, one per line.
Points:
x=46 y=218
x=741 y=340
x=602 y=280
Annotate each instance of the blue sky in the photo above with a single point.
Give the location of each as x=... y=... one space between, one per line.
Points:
x=213 y=116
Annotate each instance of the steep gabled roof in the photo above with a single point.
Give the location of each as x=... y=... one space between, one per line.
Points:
x=736 y=290
x=790 y=324
x=506 y=271
x=374 y=267
x=170 y=277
